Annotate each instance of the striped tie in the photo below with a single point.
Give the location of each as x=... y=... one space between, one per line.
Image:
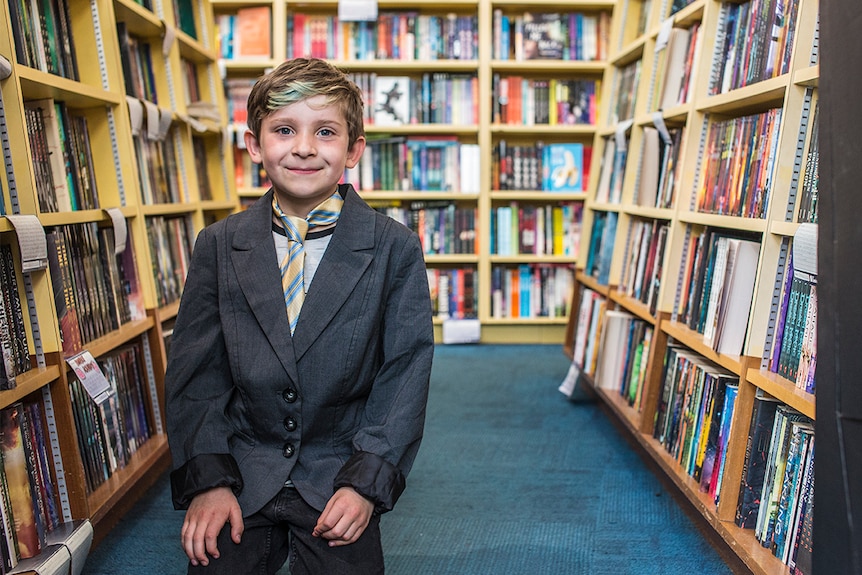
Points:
x=293 y=264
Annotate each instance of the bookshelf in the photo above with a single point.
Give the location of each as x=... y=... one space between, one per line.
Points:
x=467 y=64
x=736 y=153
x=124 y=102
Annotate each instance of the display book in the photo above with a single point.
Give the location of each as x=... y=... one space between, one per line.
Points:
x=76 y=250
x=736 y=181
x=400 y=127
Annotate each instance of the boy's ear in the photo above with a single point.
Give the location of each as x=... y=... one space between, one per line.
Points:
x=355 y=152
x=253 y=146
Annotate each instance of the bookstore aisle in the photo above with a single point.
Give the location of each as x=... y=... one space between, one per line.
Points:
x=512 y=478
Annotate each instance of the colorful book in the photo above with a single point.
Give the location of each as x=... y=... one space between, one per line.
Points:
x=563 y=167
x=21 y=495
x=756 y=453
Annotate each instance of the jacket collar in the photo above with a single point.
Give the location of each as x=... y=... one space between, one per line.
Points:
x=346 y=259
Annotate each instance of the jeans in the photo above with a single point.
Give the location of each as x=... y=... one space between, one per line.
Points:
x=282 y=531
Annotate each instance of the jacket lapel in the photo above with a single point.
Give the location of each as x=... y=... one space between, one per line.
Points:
x=255 y=262
x=348 y=255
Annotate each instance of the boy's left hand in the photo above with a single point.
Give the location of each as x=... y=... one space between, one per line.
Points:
x=345 y=517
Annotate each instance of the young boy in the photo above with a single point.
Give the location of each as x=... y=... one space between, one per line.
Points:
x=291 y=432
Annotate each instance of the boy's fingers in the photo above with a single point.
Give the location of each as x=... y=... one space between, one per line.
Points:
x=236 y=525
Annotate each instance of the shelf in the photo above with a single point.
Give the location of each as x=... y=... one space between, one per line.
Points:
x=783 y=390
x=537 y=196
x=29 y=382
x=694 y=341
x=748 y=100
x=125 y=334
x=633 y=306
x=36 y=84
x=153 y=454
x=742 y=541
x=140 y=22
x=727 y=222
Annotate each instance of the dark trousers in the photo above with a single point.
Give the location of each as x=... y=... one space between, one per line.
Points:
x=282 y=531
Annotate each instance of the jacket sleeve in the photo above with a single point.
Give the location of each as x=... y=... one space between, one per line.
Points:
x=392 y=426
x=198 y=385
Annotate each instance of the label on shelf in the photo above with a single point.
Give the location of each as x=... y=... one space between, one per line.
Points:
x=90 y=375
x=805 y=252
x=31 y=241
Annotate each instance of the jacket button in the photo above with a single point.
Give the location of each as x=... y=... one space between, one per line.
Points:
x=288 y=450
x=290 y=424
x=289 y=395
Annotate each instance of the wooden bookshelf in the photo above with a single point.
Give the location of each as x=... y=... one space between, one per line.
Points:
x=92 y=85
x=711 y=98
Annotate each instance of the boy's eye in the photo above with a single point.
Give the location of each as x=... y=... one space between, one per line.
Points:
x=326 y=132
x=284 y=130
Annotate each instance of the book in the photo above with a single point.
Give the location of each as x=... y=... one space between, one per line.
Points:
x=801 y=560
x=253 y=32
x=801 y=438
x=739 y=292
x=730 y=394
x=611 y=356
x=678 y=46
x=776 y=463
x=756 y=453
x=563 y=167
x=17 y=474
x=542 y=37
x=391 y=102
x=649 y=170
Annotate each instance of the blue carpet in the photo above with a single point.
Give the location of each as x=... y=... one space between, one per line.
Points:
x=511 y=479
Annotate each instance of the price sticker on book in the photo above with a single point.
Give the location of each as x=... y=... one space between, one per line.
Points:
x=90 y=375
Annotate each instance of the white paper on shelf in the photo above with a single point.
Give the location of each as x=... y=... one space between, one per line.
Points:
x=805 y=252
x=90 y=375
x=31 y=241
x=120 y=229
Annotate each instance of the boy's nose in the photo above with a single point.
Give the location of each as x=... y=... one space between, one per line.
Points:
x=303 y=144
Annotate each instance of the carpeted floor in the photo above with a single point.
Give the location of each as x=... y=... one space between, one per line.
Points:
x=512 y=478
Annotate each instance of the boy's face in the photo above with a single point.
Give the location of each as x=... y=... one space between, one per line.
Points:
x=304 y=149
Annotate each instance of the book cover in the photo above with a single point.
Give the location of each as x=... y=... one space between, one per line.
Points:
x=542 y=37
x=756 y=453
x=391 y=100
x=563 y=167
x=252 y=35
x=739 y=293
x=18 y=481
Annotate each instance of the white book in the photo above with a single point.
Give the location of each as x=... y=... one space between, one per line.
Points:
x=740 y=292
x=391 y=100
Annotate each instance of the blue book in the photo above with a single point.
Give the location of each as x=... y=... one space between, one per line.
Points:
x=563 y=167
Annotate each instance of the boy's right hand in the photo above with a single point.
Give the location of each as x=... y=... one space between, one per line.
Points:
x=207 y=514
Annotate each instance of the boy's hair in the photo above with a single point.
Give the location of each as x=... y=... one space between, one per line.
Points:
x=302 y=78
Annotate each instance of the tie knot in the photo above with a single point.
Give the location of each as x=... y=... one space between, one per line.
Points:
x=324 y=214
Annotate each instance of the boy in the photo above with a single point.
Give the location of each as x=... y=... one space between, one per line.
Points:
x=293 y=431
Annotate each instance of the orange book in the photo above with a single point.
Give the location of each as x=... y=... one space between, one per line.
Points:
x=253 y=32
x=514 y=293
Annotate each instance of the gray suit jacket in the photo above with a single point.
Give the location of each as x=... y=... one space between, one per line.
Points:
x=340 y=403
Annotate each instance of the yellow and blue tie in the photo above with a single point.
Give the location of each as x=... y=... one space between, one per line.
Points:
x=293 y=264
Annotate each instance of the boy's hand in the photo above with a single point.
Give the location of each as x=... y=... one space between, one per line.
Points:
x=345 y=517
x=207 y=514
